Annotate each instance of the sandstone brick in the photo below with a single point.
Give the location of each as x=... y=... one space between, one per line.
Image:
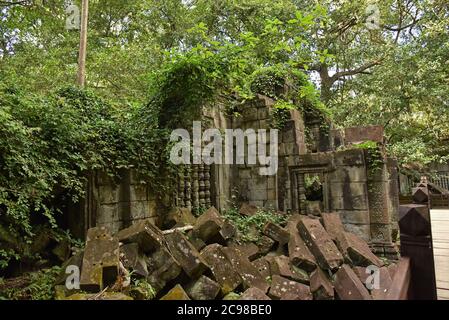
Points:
x=162 y=268
x=208 y=225
x=362 y=273
x=176 y=293
x=203 y=288
x=334 y=227
x=359 y=251
x=100 y=260
x=276 y=232
x=348 y=285
x=298 y=252
x=320 y=286
x=265 y=245
x=228 y=230
x=249 y=274
x=186 y=254
x=178 y=217
x=385 y=282
x=75 y=260
x=248 y=250
x=281 y=265
x=144 y=233
x=133 y=259
x=254 y=294
x=284 y=288
x=263 y=266
x=221 y=268
x=320 y=244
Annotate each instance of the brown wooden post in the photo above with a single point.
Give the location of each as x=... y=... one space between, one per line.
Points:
x=416 y=243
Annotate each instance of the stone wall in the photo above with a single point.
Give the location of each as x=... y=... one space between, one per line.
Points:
x=249 y=185
x=366 y=200
x=115 y=203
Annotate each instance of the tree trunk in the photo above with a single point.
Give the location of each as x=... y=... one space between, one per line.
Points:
x=83 y=45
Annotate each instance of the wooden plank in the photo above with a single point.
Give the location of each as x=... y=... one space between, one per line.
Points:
x=440 y=235
x=443 y=294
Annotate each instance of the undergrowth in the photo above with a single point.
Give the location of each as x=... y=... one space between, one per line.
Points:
x=32 y=286
x=249 y=228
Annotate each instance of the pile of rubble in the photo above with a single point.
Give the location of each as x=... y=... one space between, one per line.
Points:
x=199 y=259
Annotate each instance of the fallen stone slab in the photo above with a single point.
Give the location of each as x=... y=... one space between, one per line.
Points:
x=320 y=243
x=133 y=259
x=291 y=296
x=284 y=288
x=162 y=268
x=203 y=288
x=144 y=233
x=348 y=285
x=355 y=250
x=176 y=293
x=362 y=273
x=76 y=260
x=185 y=254
x=275 y=232
x=197 y=242
x=221 y=268
x=249 y=274
x=254 y=294
x=300 y=255
x=179 y=217
x=248 y=209
x=208 y=225
x=263 y=266
x=381 y=287
x=248 y=250
x=265 y=245
x=359 y=252
x=281 y=265
x=100 y=260
x=320 y=286
x=334 y=227
x=228 y=230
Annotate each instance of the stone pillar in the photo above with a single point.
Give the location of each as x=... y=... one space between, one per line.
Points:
x=301 y=193
x=188 y=189
x=207 y=200
x=181 y=189
x=378 y=199
x=416 y=243
x=393 y=196
x=202 y=186
x=195 y=187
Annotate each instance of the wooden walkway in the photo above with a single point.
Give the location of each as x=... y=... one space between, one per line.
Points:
x=440 y=234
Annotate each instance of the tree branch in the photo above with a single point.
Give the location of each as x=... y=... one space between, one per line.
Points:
x=355 y=71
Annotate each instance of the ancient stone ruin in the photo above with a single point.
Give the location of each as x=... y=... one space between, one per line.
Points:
x=309 y=258
x=337 y=192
